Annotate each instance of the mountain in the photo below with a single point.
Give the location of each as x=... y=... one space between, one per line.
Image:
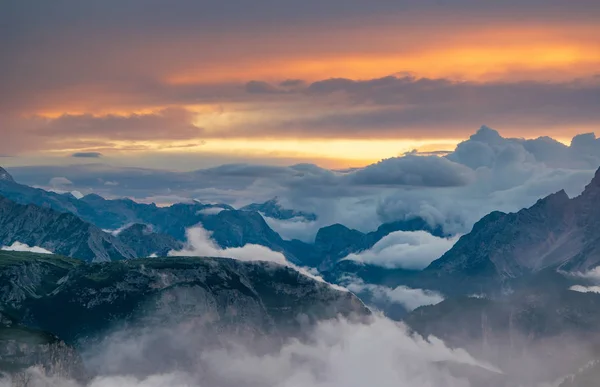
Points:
x=273 y=209
x=145 y=242
x=337 y=241
x=111 y=214
x=5 y=176
x=540 y=331
x=586 y=376
x=229 y=227
x=210 y=299
x=556 y=232
x=61 y=233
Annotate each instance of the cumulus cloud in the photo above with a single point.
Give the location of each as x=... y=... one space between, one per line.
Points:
x=409 y=298
x=412 y=250
x=18 y=246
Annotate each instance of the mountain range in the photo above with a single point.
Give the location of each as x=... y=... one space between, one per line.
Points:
x=146 y=229
x=557 y=232
x=67 y=304
x=516 y=290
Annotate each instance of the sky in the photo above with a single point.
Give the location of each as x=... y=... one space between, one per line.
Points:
x=184 y=84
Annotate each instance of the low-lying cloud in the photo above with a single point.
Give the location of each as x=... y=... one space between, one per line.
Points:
x=18 y=246
x=409 y=298
x=487 y=172
x=585 y=289
x=200 y=244
x=412 y=250
x=337 y=353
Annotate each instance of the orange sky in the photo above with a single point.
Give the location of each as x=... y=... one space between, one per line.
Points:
x=98 y=92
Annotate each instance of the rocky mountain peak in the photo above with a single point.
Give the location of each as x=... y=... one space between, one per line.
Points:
x=553 y=202
x=594 y=187
x=5 y=176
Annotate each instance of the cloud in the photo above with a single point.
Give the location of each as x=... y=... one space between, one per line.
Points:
x=585 y=289
x=151 y=126
x=77 y=194
x=336 y=353
x=210 y=210
x=58 y=182
x=200 y=244
x=409 y=298
x=428 y=171
x=592 y=275
x=401 y=107
x=18 y=246
x=295 y=228
x=120 y=229
x=486 y=172
x=413 y=250
x=90 y=155
x=391 y=107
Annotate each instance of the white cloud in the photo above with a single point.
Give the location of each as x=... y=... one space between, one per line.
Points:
x=18 y=246
x=585 y=289
x=409 y=298
x=485 y=173
x=200 y=244
x=57 y=182
x=77 y=194
x=210 y=211
x=294 y=228
x=119 y=230
x=591 y=275
x=405 y=249
x=337 y=353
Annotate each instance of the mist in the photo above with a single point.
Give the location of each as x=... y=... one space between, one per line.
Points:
x=336 y=353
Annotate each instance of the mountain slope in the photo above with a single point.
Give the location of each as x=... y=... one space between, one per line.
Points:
x=61 y=233
x=145 y=242
x=79 y=301
x=5 y=176
x=555 y=232
x=153 y=303
x=273 y=209
x=542 y=330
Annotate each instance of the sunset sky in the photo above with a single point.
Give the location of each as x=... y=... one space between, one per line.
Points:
x=185 y=84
